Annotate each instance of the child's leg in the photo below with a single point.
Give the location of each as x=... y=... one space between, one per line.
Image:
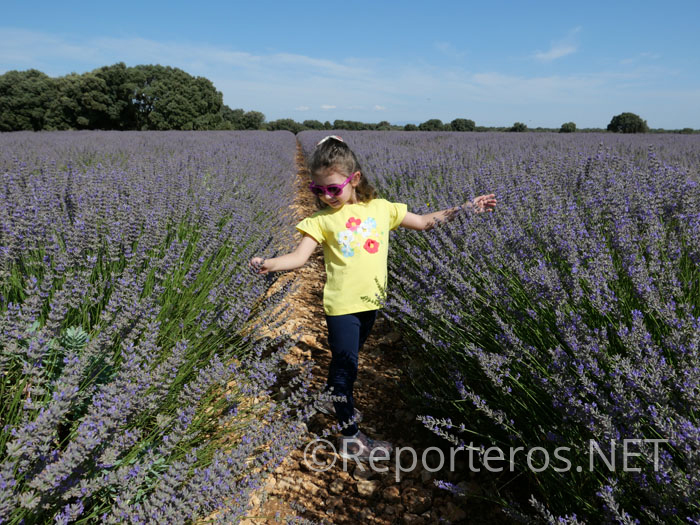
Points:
x=366 y=323
x=346 y=333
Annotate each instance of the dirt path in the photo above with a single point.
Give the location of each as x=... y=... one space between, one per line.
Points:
x=345 y=494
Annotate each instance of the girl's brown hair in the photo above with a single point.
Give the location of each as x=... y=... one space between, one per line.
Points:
x=334 y=153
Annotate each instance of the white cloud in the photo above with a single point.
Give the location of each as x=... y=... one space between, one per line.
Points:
x=302 y=108
x=25 y=49
x=327 y=107
x=640 y=57
x=32 y=47
x=555 y=52
x=377 y=107
x=559 y=48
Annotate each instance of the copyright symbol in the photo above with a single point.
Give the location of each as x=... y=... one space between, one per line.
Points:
x=314 y=463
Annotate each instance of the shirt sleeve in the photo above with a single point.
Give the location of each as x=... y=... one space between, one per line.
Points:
x=397 y=211
x=311 y=226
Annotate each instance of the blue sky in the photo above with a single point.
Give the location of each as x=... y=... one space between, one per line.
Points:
x=541 y=63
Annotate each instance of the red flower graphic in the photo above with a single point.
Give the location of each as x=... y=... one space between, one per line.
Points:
x=353 y=223
x=371 y=245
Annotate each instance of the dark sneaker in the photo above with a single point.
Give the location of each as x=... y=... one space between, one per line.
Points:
x=361 y=447
x=327 y=407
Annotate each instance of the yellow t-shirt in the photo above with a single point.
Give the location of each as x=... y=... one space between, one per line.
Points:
x=355 y=241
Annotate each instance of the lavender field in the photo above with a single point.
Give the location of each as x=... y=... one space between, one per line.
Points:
x=570 y=315
x=133 y=384
x=136 y=387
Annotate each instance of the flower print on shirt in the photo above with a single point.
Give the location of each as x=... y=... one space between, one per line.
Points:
x=355 y=233
x=345 y=238
x=353 y=223
x=364 y=229
x=347 y=250
x=371 y=245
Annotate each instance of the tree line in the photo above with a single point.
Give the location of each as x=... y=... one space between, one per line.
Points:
x=117 y=97
x=155 y=97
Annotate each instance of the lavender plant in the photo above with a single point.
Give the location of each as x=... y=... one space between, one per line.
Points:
x=134 y=384
x=568 y=318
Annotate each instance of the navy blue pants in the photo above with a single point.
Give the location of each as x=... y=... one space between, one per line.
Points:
x=346 y=335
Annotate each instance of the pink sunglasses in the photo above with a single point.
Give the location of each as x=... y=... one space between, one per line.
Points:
x=332 y=190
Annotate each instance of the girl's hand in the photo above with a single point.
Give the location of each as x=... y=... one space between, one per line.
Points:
x=257 y=266
x=482 y=203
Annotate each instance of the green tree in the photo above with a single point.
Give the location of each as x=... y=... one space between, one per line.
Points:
x=169 y=98
x=232 y=116
x=252 y=120
x=462 y=124
x=79 y=102
x=433 y=124
x=567 y=127
x=24 y=99
x=284 y=124
x=410 y=127
x=356 y=125
x=121 y=86
x=94 y=102
x=384 y=125
x=101 y=99
x=313 y=124
x=349 y=125
x=63 y=110
x=117 y=97
x=518 y=127
x=628 y=123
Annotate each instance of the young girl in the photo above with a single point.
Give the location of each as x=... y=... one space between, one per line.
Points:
x=353 y=226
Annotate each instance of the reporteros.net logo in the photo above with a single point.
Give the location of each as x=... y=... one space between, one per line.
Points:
x=627 y=455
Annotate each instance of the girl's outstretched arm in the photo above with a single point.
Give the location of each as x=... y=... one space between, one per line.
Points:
x=289 y=261
x=428 y=221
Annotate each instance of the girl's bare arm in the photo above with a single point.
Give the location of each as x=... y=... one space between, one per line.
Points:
x=289 y=261
x=430 y=220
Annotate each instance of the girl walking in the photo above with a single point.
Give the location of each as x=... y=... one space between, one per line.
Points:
x=353 y=226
